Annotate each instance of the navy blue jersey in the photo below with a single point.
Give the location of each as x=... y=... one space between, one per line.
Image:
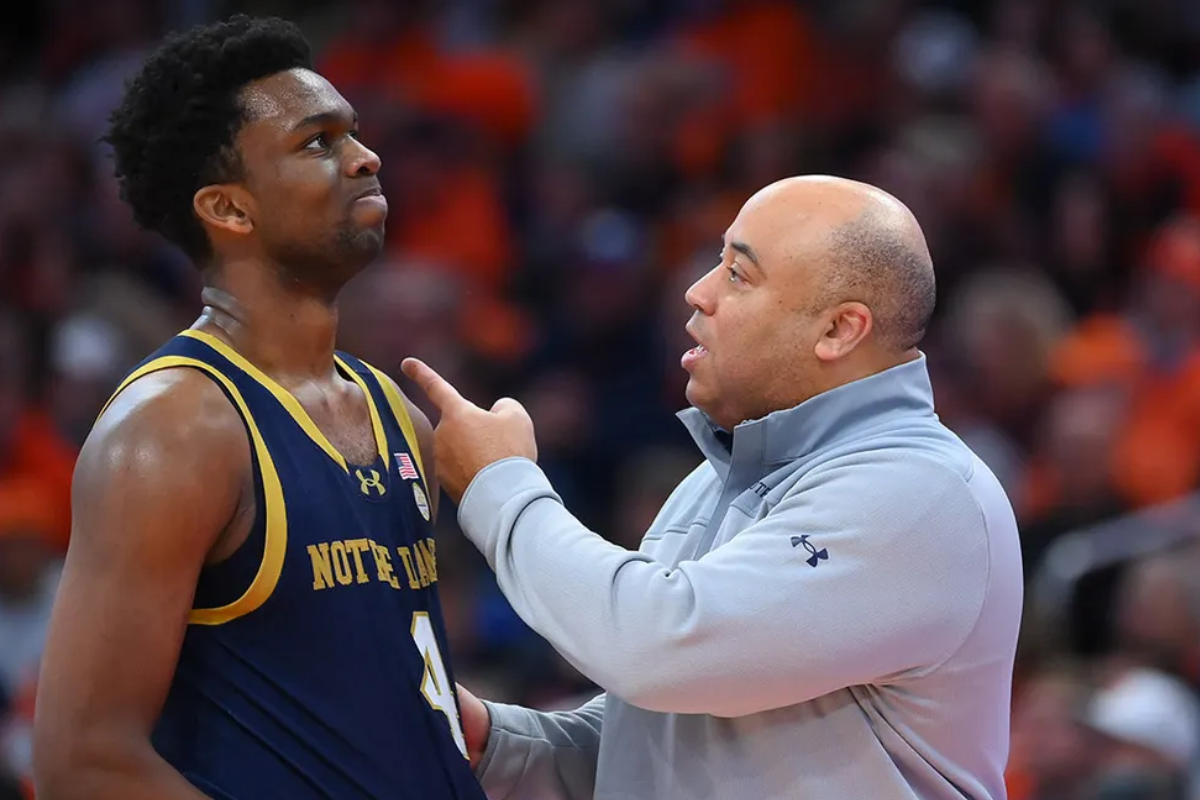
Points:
x=315 y=664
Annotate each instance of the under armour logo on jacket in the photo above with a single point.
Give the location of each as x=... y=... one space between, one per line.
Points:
x=815 y=556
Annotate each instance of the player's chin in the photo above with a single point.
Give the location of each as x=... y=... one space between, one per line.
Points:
x=361 y=247
x=369 y=224
x=373 y=236
x=365 y=216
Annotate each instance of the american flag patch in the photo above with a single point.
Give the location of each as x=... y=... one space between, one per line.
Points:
x=407 y=470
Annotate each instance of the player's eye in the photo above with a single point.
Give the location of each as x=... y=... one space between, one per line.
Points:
x=318 y=142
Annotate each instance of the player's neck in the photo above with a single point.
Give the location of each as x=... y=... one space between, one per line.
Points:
x=288 y=334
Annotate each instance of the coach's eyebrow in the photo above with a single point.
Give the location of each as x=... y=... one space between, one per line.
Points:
x=748 y=252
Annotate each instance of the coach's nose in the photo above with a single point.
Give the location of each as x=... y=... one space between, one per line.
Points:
x=702 y=294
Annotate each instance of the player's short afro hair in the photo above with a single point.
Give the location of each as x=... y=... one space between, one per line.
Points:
x=174 y=130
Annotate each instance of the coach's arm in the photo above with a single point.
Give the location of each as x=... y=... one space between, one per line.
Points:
x=749 y=626
x=164 y=474
x=521 y=754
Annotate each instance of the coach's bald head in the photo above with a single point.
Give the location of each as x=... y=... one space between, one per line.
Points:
x=822 y=281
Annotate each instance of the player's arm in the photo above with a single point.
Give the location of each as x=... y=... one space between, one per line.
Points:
x=157 y=482
x=751 y=625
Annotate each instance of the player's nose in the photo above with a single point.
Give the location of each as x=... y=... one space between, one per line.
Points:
x=362 y=160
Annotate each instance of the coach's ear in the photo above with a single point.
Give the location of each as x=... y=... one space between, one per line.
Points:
x=224 y=208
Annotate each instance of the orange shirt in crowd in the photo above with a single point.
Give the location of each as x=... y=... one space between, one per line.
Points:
x=768 y=52
x=1156 y=455
x=39 y=456
x=489 y=89
x=767 y=48
x=460 y=224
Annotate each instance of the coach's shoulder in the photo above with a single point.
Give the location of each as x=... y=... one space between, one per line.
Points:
x=891 y=467
x=897 y=487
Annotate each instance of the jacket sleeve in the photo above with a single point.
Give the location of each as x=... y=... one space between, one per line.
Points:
x=869 y=569
x=538 y=755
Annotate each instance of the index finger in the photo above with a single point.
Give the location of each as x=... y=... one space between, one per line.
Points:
x=437 y=388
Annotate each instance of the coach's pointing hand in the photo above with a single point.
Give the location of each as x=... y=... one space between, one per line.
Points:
x=468 y=438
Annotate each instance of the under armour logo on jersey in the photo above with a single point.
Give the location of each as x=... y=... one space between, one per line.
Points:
x=370 y=480
x=815 y=556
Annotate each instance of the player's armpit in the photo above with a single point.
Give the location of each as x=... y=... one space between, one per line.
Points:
x=157 y=482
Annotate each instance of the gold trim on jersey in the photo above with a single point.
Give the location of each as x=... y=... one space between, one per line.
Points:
x=275 y=547
x=291 y=404
x=376 y=420
x=400 y=412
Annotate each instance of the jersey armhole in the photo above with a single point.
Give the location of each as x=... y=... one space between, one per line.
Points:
x=268 y=490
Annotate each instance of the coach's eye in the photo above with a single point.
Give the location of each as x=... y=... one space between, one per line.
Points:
x=734 y=277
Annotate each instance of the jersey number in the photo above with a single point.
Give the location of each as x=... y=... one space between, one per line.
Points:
x=435 y=684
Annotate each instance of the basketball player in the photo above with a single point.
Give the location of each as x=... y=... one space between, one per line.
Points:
x=249 y=607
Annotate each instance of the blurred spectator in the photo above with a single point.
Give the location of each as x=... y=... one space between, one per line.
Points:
x=1085 y=248
x=439 y=189
x=118 y=35
x=29 y=571
x=1157 y=614
x=1149 y=736
x=1050 y=754
x=1151 y=354
x=28 y=579
x=1001 y=328
x=1069 y=484
x=31 y=449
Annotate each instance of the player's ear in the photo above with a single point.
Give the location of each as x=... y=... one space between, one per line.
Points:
x=224 y=206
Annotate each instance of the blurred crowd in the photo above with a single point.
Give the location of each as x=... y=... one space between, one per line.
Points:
x=560 y=170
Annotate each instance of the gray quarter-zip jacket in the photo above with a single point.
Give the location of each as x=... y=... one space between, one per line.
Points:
x=825 y=609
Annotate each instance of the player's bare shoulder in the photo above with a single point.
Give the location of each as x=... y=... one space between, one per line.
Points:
x=176 y=409
x=169 y=443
